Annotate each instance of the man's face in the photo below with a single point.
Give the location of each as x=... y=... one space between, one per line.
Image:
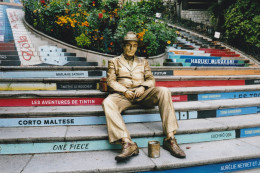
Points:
x=130 y=48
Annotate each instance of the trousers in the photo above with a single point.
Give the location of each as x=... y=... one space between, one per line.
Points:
x=115 y=103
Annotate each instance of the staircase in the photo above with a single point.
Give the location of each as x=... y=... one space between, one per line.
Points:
x=52 y=119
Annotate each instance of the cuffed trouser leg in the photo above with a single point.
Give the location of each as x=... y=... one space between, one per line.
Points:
x=113 y=105
x=161 y=96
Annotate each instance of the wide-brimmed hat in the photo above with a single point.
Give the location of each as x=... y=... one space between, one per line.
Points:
x=130 y=36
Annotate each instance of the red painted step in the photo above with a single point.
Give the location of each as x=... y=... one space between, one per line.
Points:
x=7 y=44
x=16 y=102
x=7 y=48
x=214 y=50
x=224 y=55
x=179 y=98
x=198 y=83
x=50 y=102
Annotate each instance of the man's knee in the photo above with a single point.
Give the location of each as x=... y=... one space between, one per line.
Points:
x=163 y=90
x=107 y=101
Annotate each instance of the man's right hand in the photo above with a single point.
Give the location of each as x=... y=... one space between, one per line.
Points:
x=129 y=95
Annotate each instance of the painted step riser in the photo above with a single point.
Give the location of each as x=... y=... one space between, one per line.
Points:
x=223 y=72
x=31 y=43
x=207 y=61
x=203 y=57
x=47 y=54
x=13 y=57
x=7 y=44
x=49 y=86
x=73 y=120
x=215 y=64
x=79 y=146
x=10 y=63
x=7 y=48
x=13 y=102
x=225 y=55
x=200 y=83
x=66 y=85
x=241 y=165
x=51 y=49
x=189 y=72
x=52 y=74
x=21 y=52
x=186 y=52
x=28 y=73
x=9 y=57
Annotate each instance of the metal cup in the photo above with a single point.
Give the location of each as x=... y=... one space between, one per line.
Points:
x=153 y=149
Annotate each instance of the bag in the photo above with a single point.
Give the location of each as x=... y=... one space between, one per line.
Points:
x=103 y=84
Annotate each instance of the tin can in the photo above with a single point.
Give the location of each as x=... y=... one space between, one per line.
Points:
x=154 y=149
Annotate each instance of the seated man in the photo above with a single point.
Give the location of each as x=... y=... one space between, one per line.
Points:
x=132 y=83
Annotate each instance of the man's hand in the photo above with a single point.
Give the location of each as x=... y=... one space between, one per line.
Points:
x=139 y=91
x=129 y=95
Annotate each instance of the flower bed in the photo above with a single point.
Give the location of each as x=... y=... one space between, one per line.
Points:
x=100 y=25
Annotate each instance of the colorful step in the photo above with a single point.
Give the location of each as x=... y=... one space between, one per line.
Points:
x=135 y=118
x=225 y=156
x=95 y=115
x=142 y=133
x=233 y=166
x=90 y=145
x=207 y=61
x=11 y=102
x=65 y=83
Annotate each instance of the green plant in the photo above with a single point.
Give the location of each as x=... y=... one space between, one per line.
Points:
x=100 y=25
x=242 y=21
x=83 y=40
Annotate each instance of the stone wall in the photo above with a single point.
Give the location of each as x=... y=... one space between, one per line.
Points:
x=196 y=16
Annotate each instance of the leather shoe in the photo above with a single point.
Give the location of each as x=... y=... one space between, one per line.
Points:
x=128 y=150
x=172 y=146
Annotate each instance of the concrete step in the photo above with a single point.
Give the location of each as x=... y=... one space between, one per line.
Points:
x=10 y=63
x=218 y=156
x=26 y=140
x=160 y=71
x=78 y=80
x=36 y=98
x=93 y=114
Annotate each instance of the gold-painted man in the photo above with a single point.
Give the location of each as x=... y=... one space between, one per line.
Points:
x=132 y=83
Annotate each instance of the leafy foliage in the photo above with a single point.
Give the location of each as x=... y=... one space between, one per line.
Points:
x=242 y=22
x=100 y=25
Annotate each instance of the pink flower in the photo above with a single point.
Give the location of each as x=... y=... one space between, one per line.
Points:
x=79 y=5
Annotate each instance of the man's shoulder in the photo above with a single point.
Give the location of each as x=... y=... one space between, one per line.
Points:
x=140 y=59
x=115 y=58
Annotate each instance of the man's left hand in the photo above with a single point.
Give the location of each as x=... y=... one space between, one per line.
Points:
x=139 y=91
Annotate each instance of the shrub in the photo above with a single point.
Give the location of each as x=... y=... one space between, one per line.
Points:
x=100 y=25
x=242 y=21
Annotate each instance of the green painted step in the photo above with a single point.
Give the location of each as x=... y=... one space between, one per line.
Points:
x=103 y=161
x=85 y=138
